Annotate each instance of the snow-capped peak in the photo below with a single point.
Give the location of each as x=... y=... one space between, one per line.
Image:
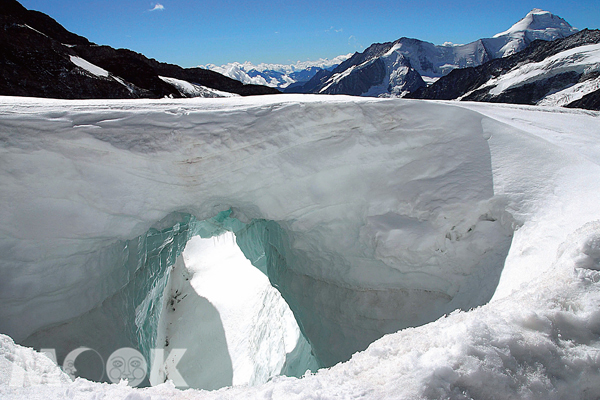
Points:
x=542 y=24
x=284 y=68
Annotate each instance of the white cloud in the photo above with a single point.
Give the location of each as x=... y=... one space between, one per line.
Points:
x=333 y=29
x=157 y=7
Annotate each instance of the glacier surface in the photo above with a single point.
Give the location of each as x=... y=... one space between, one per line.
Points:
x=369 y=216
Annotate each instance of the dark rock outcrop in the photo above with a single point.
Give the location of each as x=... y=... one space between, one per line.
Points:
x=590 y=101
x=36 y=60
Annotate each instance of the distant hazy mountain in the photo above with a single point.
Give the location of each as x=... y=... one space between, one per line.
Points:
x=400 y=67
x=40 y=58
x=276 y=75
x=564 y=72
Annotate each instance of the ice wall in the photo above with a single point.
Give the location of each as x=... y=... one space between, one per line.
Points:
x=372 y=215
x=138 y=315
x=129 y=316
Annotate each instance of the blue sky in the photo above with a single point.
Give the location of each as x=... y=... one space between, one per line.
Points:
x=191 y=33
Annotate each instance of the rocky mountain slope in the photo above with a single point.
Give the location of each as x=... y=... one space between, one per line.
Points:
x=565 y=72
x=400 y=67
x=40 y=58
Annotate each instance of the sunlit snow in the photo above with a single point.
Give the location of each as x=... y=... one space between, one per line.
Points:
x=583 y=59
x=257 y=327
x=188 y=89
x=88 y=66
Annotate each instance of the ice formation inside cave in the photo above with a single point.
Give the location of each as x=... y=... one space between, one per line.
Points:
x=249 y=334
x=192 y=287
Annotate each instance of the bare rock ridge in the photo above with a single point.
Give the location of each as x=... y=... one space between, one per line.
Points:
x=40 y=58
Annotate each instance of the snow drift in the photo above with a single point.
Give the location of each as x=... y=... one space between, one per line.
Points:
x=369 y=216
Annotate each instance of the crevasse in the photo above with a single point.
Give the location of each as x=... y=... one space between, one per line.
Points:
x=373 y=216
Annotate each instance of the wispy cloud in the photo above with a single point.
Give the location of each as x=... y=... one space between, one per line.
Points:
x=157 y=7
x=332 y=29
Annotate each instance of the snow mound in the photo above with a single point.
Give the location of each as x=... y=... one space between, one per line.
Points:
x=24 y=367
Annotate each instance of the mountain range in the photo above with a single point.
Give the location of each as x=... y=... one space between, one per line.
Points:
x=540 y=60
x=281 y=76
x=405 y=65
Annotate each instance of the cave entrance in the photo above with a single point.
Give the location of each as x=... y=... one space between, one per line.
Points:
x=188 y=284
x=235 y=327
x=160 y=299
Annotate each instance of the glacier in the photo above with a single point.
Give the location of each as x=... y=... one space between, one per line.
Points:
x=425 y=249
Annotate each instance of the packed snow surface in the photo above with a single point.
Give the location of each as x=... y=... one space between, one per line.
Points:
x=378 y=216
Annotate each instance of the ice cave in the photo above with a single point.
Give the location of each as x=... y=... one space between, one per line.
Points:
x=376 y=248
